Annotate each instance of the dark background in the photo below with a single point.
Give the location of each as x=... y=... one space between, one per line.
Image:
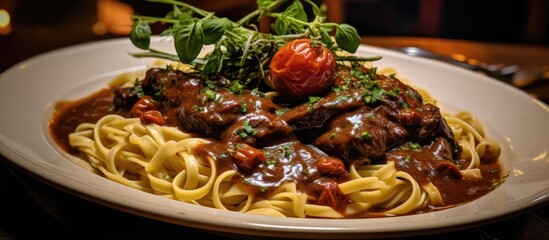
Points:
x=40 y=26
x=510 y=21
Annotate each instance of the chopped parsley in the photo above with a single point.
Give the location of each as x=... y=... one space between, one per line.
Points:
x=161 y=91
x=343 y=87
x=243 y=107
x=197 y=108
x=374 y=95
x=281 y=111
x=312 y=102
x=497 y=182
x=404 y=104
x=236 y=87
x=341 y=98
x=256 y=92
x=211 y=94
x=365 y=136
x=246 y=130
x=137 y=89
x=410 y=146
x=271 y=161
x=288 y=149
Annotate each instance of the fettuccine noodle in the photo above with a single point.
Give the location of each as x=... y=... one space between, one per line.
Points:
x=160 y=160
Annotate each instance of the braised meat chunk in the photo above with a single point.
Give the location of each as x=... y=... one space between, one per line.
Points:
x=258 y=129
x=364 y=116
x=362 y=133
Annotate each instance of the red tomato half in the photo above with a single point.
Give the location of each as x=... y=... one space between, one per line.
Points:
x=301 y=69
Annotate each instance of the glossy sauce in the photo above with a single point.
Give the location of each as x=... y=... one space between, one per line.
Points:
x=291 y=151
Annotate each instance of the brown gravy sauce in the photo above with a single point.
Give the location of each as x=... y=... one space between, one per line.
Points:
x=289 y=160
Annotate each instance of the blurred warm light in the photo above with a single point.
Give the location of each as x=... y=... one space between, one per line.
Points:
x=113 y=17
x=517 y=172
x=459 y=57
x=473 y=61
x=5 y=22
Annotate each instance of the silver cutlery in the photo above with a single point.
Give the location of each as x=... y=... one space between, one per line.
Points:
x=511 y=74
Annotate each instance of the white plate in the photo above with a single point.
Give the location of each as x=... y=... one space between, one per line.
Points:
x=30 y=89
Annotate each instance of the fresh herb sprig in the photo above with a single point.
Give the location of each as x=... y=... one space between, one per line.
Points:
x=240 y=51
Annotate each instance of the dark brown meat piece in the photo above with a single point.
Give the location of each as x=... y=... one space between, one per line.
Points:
x=125 y=98
x=158 y=79
x=364 y=116
x=390 y=113
x=425 y=162
x=202 y=114
x=314 y=115
x=154 y=85
x=257 y=129
x=362 y=133
x=211 y=112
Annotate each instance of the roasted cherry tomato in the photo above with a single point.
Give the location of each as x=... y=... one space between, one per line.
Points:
x=302 y=68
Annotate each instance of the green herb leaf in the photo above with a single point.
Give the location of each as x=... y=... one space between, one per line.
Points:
x=262 y=4
x=284 y=26
x=213 y=30
x=175 y=13
x=316 y=10
x=347 y=38
x=214 y=61
x=140 y=36
x=326 y=38
x=188 y=39
x=246 y=52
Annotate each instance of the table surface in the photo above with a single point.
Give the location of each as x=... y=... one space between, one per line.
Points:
x=31 y=206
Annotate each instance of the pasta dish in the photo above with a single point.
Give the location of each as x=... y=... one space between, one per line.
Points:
x=289 y=128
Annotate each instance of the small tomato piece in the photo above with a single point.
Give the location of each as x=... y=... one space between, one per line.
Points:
x=331 y=195
x=152 y=116
x=142 y=105
x=248 y=158
x=328 y=166
x=302 y=68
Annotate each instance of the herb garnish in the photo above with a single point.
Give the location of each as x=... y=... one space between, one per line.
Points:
x=411 y=146
x=246 y=130
x=365 y=136
x=313 y=100
x=282 y=111
x=240 y=51
x=496 y=182
x=243 y=107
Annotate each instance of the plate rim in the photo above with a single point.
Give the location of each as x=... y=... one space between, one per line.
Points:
x=9 y=153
